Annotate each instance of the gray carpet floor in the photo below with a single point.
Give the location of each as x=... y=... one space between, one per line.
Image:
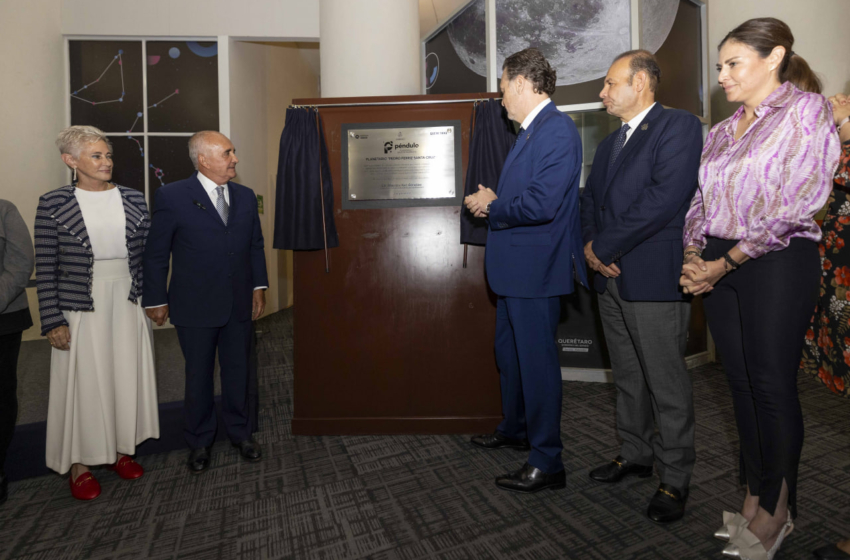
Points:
x=417 y=497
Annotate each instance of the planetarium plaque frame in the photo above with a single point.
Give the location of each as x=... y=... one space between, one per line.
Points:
x=401 y=164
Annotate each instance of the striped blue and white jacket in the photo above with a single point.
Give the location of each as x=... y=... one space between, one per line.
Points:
x=64 y=261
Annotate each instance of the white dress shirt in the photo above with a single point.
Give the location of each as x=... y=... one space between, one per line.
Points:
x=210 y=186
x=635 y=122
x=534 y=112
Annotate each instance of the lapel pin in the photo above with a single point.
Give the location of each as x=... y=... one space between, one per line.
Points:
x=644 y=126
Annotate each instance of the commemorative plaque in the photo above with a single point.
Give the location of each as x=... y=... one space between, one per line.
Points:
x=401 y=164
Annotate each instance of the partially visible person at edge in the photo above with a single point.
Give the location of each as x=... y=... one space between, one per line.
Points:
x=826 y=354
x=16 y=264
x=89 y=240
x=751 y=247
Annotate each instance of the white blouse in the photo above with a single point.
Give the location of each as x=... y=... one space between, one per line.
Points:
x=103 y=214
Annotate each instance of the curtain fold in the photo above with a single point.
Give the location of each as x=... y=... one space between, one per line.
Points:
x=303 y=184
x=492 y=138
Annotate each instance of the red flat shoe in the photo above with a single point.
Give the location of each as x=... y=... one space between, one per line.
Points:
x=127 y=468
x=86 y=487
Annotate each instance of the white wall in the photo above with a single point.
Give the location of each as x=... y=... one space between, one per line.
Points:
x=33 y=109
x=370 y=47
x=292 y=19
x=264 y=78
x=820 y=30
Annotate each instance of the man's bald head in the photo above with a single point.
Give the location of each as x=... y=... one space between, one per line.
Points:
x=202 y=142
x=213 y=154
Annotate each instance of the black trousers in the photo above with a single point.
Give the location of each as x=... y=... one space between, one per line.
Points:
x=199 y=345
x=758 y=316
x=10 y=347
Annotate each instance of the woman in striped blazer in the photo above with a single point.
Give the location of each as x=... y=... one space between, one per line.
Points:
x=89 y=240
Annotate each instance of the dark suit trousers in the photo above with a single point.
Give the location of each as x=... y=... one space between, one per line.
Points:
x=530 y=374
x=646 y=343
x=758 y=316
x=199 y=345
x=10 y=346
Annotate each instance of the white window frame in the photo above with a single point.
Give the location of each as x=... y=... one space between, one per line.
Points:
x=223 y=89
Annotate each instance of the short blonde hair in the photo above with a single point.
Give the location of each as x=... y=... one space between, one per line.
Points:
x=72 y=139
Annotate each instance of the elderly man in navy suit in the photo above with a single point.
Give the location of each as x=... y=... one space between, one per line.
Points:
x=210 y=228
x=633 y=212
x=534 y=255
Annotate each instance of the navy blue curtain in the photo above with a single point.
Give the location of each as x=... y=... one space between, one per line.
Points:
x=492 y=138
x=303 y=180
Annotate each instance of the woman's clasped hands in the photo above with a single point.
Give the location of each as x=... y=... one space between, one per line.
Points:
x=699 y=276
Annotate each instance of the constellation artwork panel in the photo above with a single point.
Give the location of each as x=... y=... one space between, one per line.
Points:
x=182 y=86
x=128 y=168
x=169 y=162
x=106 y=84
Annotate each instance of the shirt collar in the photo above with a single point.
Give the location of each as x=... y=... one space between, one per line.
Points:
x=635 y=122
x=778 y=98
x=534 y=112
x=208 y=184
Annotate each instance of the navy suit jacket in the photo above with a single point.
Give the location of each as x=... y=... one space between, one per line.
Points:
x=534 y=245
x=215 y=268
x=635 y=213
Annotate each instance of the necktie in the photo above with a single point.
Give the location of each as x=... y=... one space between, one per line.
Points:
x=619 y=142
x=221 y=204
x=519 y=135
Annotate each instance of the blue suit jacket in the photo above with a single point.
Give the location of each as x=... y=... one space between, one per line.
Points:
x=215 y=268
x=635 y=213
x=534 y=245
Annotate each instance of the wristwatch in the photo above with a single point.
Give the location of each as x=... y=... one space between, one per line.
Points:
x=487 y=208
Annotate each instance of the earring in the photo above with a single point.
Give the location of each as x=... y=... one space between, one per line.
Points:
x=74 y=180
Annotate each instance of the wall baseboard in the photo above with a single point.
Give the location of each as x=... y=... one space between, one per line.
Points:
x=605 y=375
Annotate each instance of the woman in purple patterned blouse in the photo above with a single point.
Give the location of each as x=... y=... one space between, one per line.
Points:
x=751 y=247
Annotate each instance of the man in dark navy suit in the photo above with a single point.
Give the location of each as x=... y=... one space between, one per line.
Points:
x=534 y=255
x=632 y=213
x=210 y=228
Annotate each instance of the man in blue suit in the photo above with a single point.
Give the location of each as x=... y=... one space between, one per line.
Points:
x=632 y=213
x=210 y=228
x=534 y=255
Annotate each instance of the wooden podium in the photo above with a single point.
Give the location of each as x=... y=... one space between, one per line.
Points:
x=398 y=337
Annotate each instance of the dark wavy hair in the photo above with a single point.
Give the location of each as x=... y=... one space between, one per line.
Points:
x=533 y=66
x=763 y=35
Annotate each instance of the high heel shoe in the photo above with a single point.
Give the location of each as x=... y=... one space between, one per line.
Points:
x=747 y=546
x=732 y=525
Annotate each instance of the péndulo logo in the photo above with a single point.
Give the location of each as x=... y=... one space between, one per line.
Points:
x=388 y=147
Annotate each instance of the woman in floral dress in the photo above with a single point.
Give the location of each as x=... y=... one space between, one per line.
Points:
x=826 y=354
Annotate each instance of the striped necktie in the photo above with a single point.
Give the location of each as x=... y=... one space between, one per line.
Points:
x=221 y=204
x=619 y=142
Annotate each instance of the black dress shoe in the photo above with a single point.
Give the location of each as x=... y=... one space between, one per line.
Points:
x=199 y=460
x=498 y=441
x=531 y=479
x=668 y=504
x=831 y=552
x=249 y=449
x=4 y=488
x=619 y=468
